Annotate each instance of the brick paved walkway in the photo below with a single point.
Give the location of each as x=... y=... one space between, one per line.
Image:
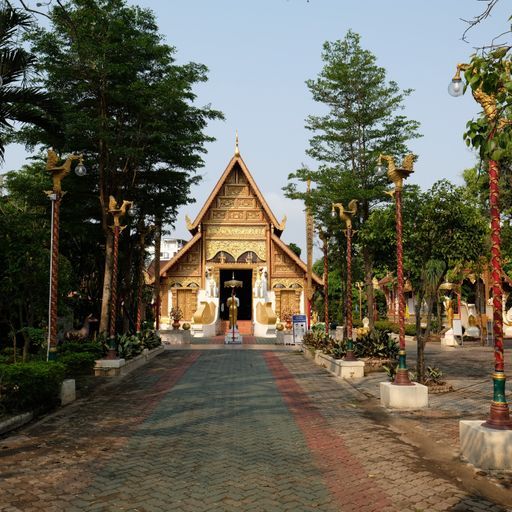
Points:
x=222 y=430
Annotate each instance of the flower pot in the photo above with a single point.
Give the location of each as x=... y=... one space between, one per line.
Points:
x=176 y=324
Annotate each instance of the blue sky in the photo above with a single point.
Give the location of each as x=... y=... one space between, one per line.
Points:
x=259 y=54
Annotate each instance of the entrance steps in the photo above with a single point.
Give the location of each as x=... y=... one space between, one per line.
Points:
x=244 y=327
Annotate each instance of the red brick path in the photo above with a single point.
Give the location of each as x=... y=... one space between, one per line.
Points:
x=345 y=476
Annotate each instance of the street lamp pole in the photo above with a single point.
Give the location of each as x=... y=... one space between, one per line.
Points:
x=117 y=213
x=58 y=173
x=347 y=216
x=325 y=247
x=397 y=175
x=359 y=286
x=499 y=415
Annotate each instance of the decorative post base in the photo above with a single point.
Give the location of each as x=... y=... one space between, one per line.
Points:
x=486 y=448
x=414 y=396
x=499 y=417
x=349 y=356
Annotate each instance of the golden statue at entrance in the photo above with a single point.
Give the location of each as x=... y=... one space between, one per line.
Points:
x=233 y=304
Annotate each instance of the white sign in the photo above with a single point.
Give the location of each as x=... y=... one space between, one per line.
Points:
x=299 y=328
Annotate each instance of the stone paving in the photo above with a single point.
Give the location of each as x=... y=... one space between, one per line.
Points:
x=221 y=430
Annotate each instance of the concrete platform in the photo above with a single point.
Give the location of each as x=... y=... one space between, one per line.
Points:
x=403 y=397
x=485 y=448
x=350 y=369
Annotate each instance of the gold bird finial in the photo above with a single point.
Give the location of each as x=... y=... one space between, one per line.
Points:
x=398 y=174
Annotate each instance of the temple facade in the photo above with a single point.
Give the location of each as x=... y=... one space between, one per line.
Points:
x=234 y=236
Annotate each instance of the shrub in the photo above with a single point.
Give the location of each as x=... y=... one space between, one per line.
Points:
x=387 y=325
x=378 y=344
x=78 y=363
x=318 y=327
x=149 y=339
x=31 y=386
x=128 y=346
x=91 y=347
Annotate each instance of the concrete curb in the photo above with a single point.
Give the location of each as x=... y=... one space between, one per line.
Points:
x=15 y=422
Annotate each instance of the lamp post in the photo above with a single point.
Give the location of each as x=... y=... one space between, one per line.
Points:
x=58 y=173
x=499 y=415
x=359 y=286
x=397 y=175
x=117 y=213
x=347 y=216
x=310 y=231
x=325 y=247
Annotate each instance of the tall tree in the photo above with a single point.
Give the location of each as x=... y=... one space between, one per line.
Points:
x=19 y=100
x=442 y=230
x=126 y=105
x=363 y=120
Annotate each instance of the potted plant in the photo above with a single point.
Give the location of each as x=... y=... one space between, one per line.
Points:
x=176 y=314
x=286 y=315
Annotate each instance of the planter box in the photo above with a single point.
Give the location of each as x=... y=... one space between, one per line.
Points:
x=120 y=367
x=339 y=367
x=375 y=365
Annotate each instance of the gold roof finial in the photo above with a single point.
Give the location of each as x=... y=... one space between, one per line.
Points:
x=237 y=151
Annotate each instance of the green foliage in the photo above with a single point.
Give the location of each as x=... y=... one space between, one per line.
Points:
x=317 y=340
x=90 y=347
x=295 y=248
x=488 y=76
x=387 y=325
x=433 y=375
x=377 y=344
x=319 y=326
x=19 y=100
x=149 y=339
x=78 y=363
x=128 y=346
x=28 y=386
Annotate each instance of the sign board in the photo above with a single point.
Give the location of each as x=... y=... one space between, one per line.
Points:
x=299 y=328
x=457 y=327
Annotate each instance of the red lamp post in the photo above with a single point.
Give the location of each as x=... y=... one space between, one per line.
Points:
x=58 y=173
x=499 y=414
x=117 y=213
x=347 y=216
x=397 y=175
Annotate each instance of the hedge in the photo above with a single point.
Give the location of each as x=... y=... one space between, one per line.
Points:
x=30 y=386
x=78 y=363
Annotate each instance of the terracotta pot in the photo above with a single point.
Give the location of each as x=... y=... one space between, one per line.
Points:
x=288 y=325
x=176 y=324
x=185 y=326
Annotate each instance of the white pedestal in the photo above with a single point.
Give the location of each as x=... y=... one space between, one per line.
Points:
x=232 y=338
x=403 y=397
x=350 y=369
x=67 y=392
x=485 y=448
x=449 y=340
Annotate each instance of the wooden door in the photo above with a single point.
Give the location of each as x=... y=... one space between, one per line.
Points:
x=184 y=300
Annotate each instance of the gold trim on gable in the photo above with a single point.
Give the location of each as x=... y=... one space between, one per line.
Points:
x=236 y=248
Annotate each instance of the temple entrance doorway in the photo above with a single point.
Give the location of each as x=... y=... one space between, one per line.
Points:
x=244 y=294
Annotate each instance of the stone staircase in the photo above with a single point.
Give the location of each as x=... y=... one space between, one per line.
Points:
x=244 y=327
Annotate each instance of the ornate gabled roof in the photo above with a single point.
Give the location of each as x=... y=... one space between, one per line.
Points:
x=295 y=258
x=169 y=263
x=236 y=160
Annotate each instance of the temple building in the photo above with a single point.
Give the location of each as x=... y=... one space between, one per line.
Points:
x=234 y=236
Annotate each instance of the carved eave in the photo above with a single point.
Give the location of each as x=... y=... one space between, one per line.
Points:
x=237 y=159
x=169 y=264
x=318 y=280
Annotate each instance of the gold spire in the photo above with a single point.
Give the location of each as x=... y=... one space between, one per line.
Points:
x=237 y=151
